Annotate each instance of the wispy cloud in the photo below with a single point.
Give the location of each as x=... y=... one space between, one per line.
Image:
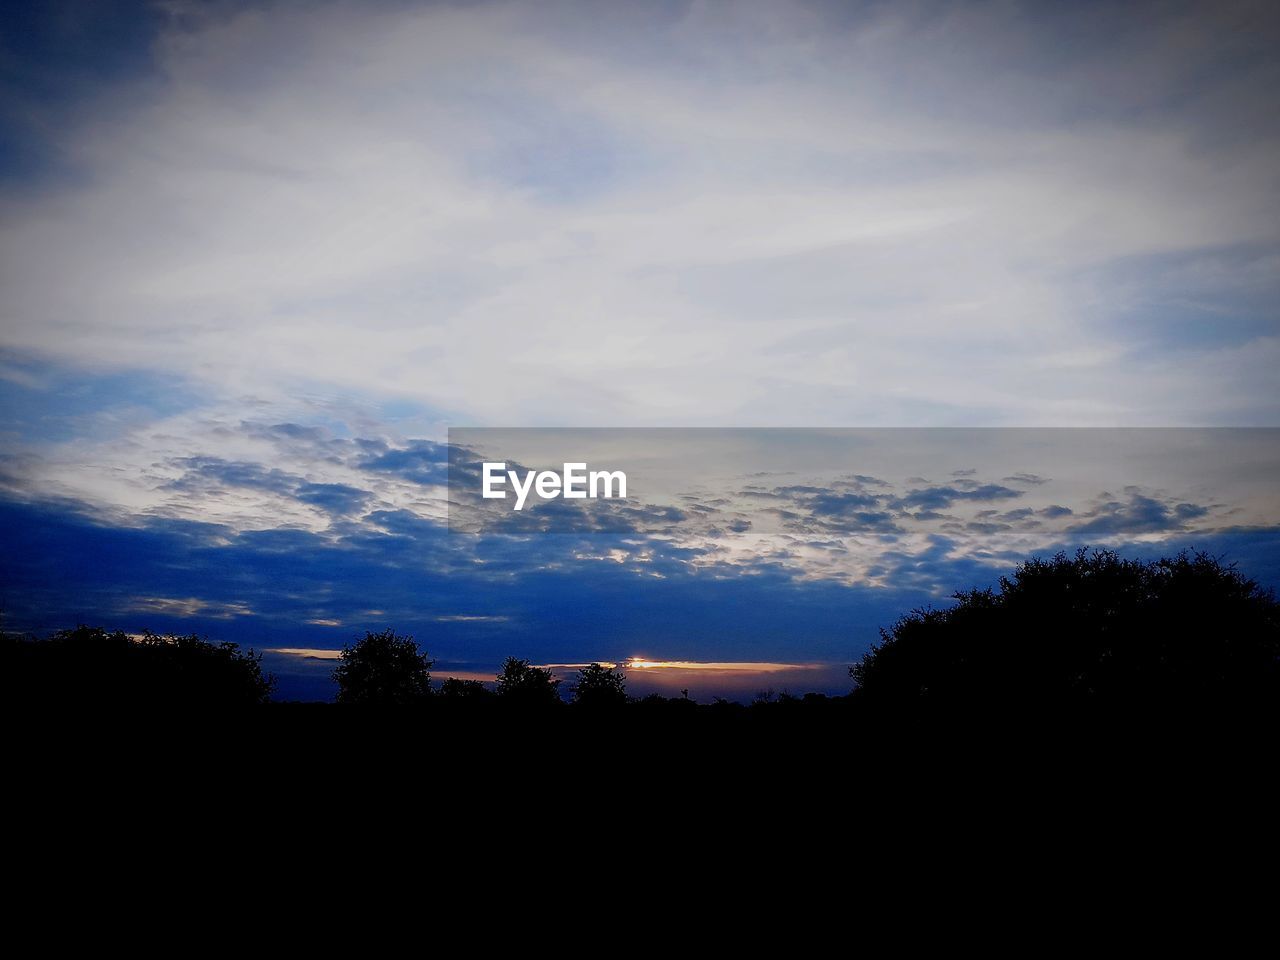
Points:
x=186 y=607
x=398 y=199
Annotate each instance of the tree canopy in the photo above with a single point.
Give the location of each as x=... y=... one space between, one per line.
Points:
x=1086 y=628
x=521 y=682
x=599 y=686
x=383 y=668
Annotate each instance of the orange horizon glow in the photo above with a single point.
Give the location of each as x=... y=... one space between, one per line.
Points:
x=640 y=663
x=708 y=666
x=308 y=652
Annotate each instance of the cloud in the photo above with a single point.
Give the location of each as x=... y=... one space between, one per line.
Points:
x=939 y=498
x=841 y=504
x=334 y=498
x=1139 y=513
x=187 y=607
x=1028 y=478
x=422 y=461
x=523 y=215
x=213 y=472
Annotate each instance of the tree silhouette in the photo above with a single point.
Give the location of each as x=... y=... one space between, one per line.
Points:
x=519 y=682
x=1090 y=628
x=92 y=666
x=599 y=686
x=454 y=688
x=383 y=668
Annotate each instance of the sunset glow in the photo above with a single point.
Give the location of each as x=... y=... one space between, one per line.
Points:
x=639 y=663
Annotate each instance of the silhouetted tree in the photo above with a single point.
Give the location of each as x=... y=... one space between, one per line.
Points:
x=91 y=666
x=458 y=689
x=519 y=682
x=383 y=668
x=599 y=686
x=1090 y=628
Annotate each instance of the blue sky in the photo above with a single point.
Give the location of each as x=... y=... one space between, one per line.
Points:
x=257 y=258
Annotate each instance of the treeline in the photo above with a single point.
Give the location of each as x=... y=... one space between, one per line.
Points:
x=1087 y=630
x=385 y=669
x=91 y=666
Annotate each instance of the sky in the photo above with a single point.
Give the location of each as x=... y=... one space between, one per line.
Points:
x=258 y=259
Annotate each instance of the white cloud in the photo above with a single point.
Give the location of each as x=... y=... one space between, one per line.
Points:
x=737 y=214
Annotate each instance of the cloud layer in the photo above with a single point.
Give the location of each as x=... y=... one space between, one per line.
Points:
x=562 y=213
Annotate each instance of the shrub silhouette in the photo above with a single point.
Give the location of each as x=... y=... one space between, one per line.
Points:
x=599 y=686
x=383 y=668
x=454 y=688
x=521 y=683
x=1090 y=628
x=90 y=666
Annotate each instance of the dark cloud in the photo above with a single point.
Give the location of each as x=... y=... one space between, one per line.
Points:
x=923 y=515
x=987 y=528
x=55 y=55
x=422 y=461
x=939 y=498
x=205 y=473
x=286 y=431
x=333 y=498
x=1013 y=516
x=1138 y=514
x=841 y=504
x=841 y=507
x=1029 y=478
x=1189 y=511
x=209 y=475
x=934 y=571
